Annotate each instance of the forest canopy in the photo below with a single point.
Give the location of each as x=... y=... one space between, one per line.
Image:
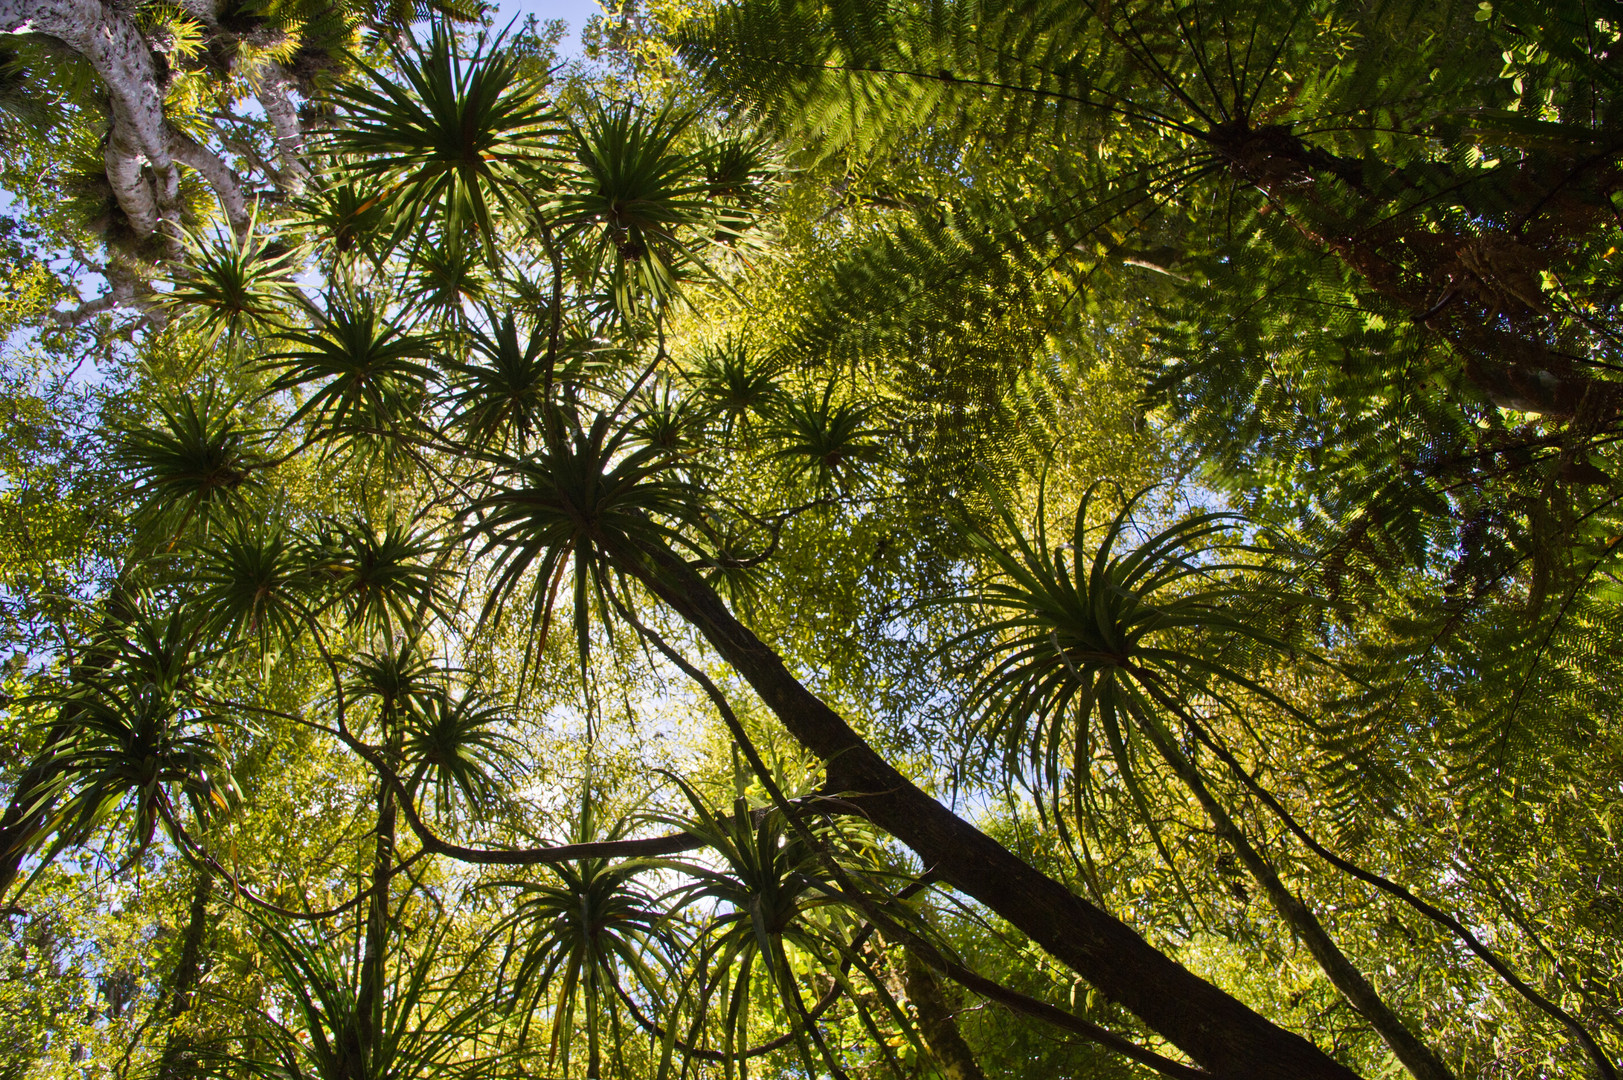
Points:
x=850 y=538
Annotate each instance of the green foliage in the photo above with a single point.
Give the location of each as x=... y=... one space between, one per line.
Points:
x=638 y=194
x=418 y=1026
x=826 y=440
x=739 y=349
x=735 y=383
x=1142 y=635
x=777 y=913
x=589 y=499
x=591 y=929
x=253 y=582
x=384 y=578
x=196 y=461
x=367 y=372
x=454 y=744
x=498 y=392
x=456 y=141
x=138 y=730
x=234 y=284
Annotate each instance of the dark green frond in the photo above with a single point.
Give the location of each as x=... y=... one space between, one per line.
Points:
x=464 y=139
x=196 y=460
x=135 y=736
x=363 y=375
x=387 y=579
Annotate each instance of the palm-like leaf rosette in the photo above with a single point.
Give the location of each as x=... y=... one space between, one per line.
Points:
x=592 y=938
x=461 y=140
x=138 y=736
x=770 y=913
x=420 y=1023
x=593 y=498
x=1112 y=649
x=640 y=202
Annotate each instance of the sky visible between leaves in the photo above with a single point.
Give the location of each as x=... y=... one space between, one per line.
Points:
x=574 y=12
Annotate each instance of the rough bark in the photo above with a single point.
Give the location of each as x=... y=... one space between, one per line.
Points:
x=220 y=176
x=141 y=145
x=275 y=93
x=132 y=185
x=1216 y=1030
x=936 y=1021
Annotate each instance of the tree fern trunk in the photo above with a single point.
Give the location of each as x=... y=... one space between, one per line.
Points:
x=1419 y=266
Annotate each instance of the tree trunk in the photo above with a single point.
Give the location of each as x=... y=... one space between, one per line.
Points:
x=175 y=1062
x=275 y=94
x=369 y=1000
x=220 y=176
x=940 y=1030
x=1458 y=285
x=374 y=957
x=1217 y=1031
x=140 y=138
x=1421 y=1061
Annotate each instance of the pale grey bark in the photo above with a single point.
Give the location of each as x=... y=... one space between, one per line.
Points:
x=131 y=180
x=143 y=149
x=275 y=93
x=274 y=87
x=124 y=290
x=201 y=10
x=220 y=176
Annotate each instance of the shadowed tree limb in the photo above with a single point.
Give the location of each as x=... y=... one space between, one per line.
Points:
x=1219 y=1032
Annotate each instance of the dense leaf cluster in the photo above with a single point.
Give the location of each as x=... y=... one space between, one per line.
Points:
x=644 y=578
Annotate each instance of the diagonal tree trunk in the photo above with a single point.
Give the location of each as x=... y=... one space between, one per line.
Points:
x=1420 y=1059
x=1216 y=1030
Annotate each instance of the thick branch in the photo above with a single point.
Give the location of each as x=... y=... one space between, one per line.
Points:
x=142 y=148
x=647 y=847
x=220 y=176
x=915 y=945
x=1219 y=1032
x=275 y=93
x=120 y=55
